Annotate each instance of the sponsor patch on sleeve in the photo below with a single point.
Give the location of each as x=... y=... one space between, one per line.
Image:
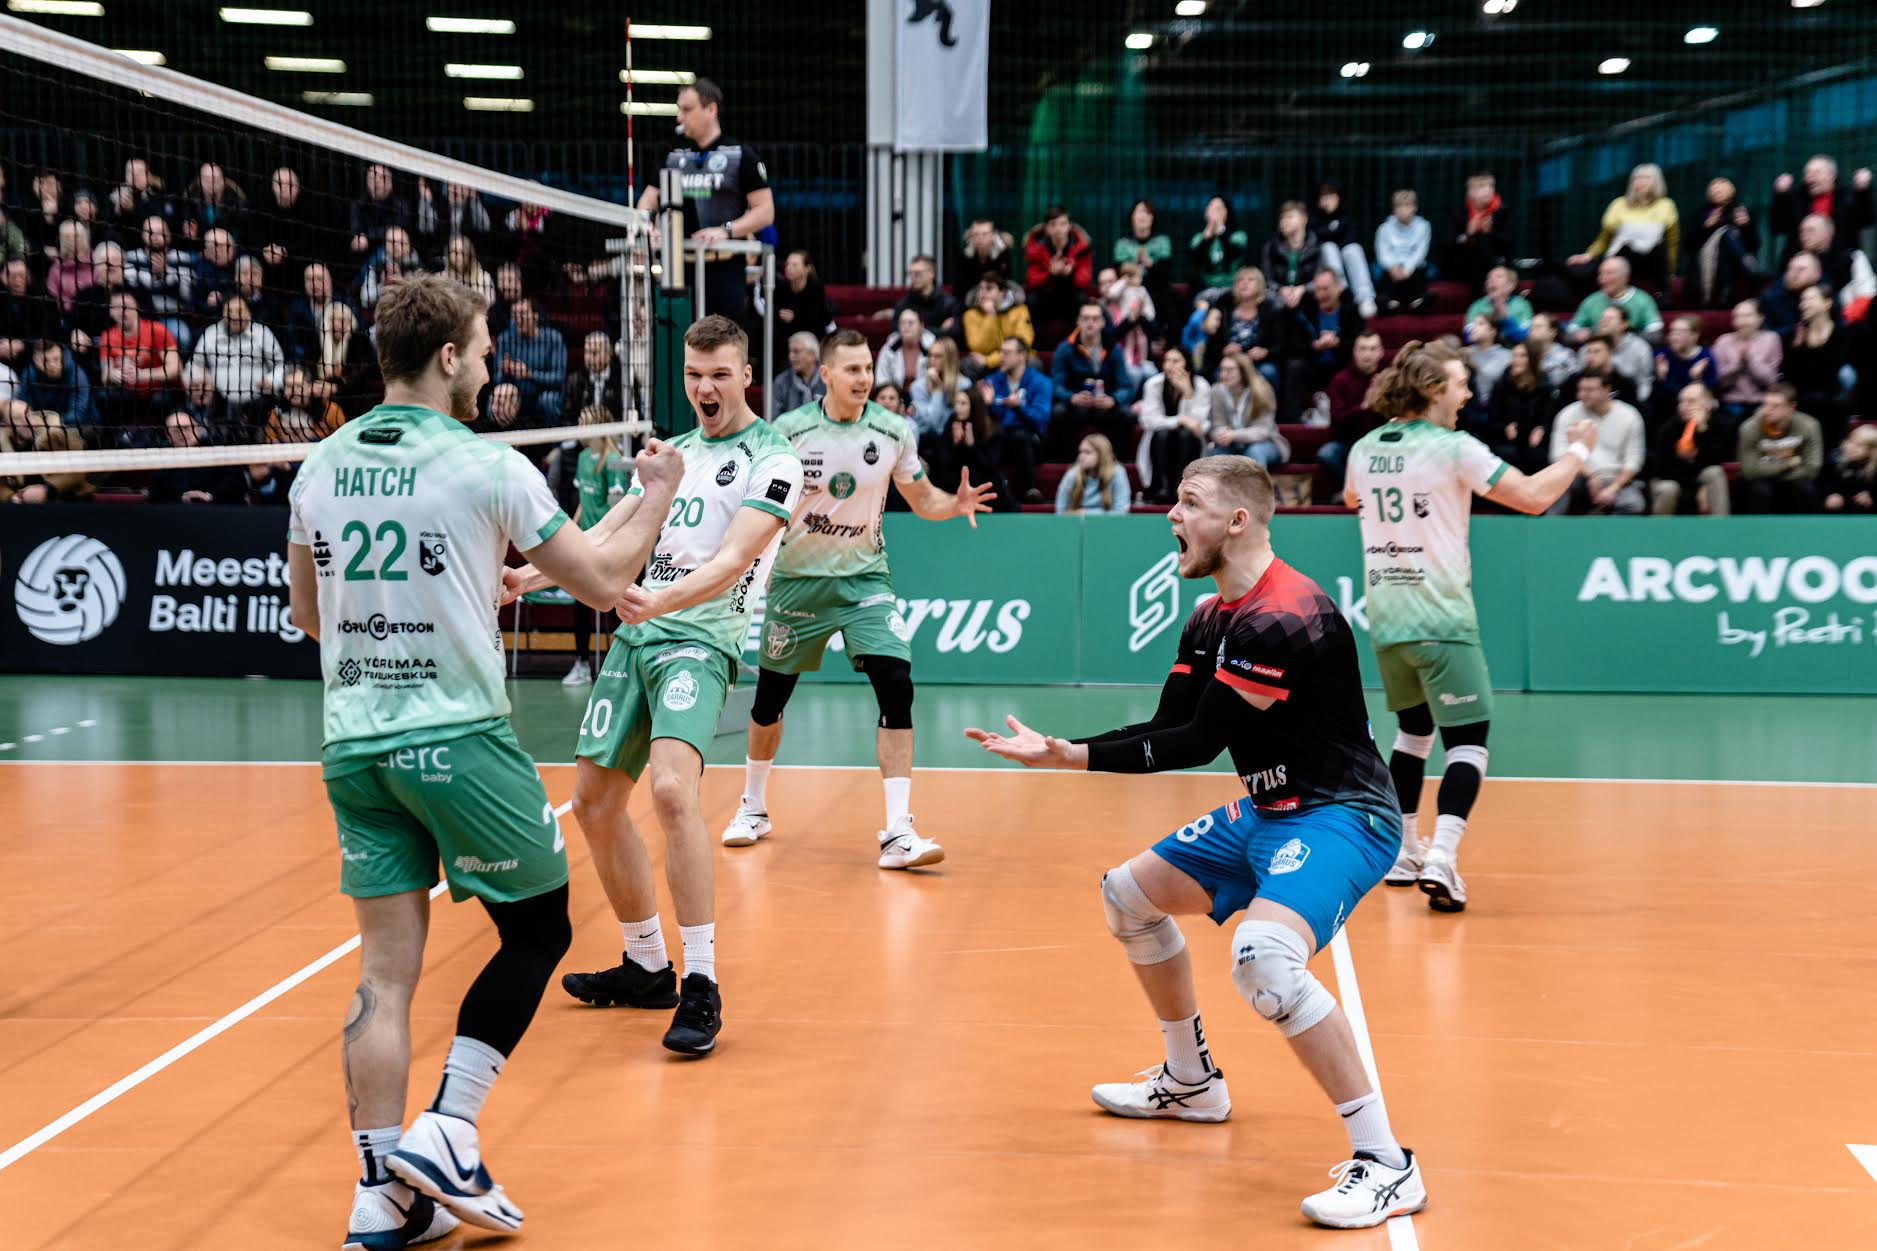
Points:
x=1268 y=671
x=779 y=490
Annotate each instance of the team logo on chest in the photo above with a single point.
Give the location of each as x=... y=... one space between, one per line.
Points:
x=872 y=454
x=726 y=473
x=432 y=548
x=841 y=485
x=1421 y=505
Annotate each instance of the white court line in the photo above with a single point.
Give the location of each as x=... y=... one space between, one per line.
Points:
x=1867 y=1156
x=124 y=1085
x=1400 y=1228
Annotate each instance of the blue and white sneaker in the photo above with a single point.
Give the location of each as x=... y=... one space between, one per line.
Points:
x=440 y=1157
x=390 y=1216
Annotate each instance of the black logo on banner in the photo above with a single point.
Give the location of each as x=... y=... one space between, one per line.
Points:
x=726 y=473
x=779 y=490
x=431 y=549
x=922 y=9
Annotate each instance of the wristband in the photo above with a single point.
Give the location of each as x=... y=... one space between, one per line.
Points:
x=1578 y=450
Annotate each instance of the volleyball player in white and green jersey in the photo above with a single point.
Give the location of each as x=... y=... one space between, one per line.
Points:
x=399 y=524
x=832 y=576
x=661 y=689
x=1412 y=482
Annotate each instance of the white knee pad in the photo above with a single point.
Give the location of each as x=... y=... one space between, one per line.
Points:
x=1268 y=969
x=1416 y=745
x=1148 y=935
x=1468 y=754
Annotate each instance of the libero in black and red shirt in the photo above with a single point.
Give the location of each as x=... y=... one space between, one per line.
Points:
x=1285 y=640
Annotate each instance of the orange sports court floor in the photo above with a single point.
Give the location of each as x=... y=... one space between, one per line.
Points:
x=1652 y=1030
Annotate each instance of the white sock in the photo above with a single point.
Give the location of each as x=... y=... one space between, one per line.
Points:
x=898 y=798
x=1365 y=1120
x=700 y=949
x=1448 y=830
x=1410 y=833
x=1188 y=1057
x=469 y=1074
x=645 y=943
x=373 y=1145
x=756 y=785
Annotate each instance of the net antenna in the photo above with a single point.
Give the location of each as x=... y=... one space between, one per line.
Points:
x=180 y=121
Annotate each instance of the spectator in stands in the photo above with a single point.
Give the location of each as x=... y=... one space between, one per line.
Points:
x=44 y=210
x=1598 y=356
x=26 y=315
x=211 y=201
x=801 y=382
x=215 y=271
x=138 y=362
x=1322 y=332
x=243 y=357
x=1630 y=356
x=1746 y=361
x=970 y=443
x=1487 y=358
x=10 y=382
x=376 y=212
x=251 y=285
x=299 y=416
x=1096 y=483
x=1850 y=208
x=1849 y=482
x=1613 y=288
x=71 y=273
x=1253 y=324
x=594 y=391
x=1058 y=268
x=461 y=263
x=1610 y=479
x=1681 y=361
x=1202 y=328
x=932 y=391
x=1641 y=225
x=56 y=488
x=1846 y=269
x=1510 y=313
x=55 y=383
x=1401 y=246
x=1243 y=416
x=198 y=484
x=1176 y=405
x=987 y=251
x=1691 y=453
x=1556 y=362
x=136 y=200
x=1724 y=245
x=997 y=313
x=508 y=289
x=1090 y=384
x=388 y=266
x=1781 y=452
x=1219 y=249
x=902 y=356
x=1481 y=234
x=889 y=396
x=1350 y=414
x=458 y=213
x=1020 y=395
x=306 y=316
x=12 y=242
x=1148 y=248
x=802 y=302
x=164 y=278
x=1518 y=422
x=285 y=232
x=205 y=407
x=1816 y=355
x=533 y=356
x=1291 y=257
x=345 y=369
x=1779 y=303
x=1342 y=254
x=1131 y=315
x=937 y=308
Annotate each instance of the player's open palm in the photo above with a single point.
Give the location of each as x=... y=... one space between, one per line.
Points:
x=1023 y=745
x=972 y=500
x=659 y=465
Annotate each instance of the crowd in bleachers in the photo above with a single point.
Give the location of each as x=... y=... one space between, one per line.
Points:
x=134 y=315
x=1721 y=382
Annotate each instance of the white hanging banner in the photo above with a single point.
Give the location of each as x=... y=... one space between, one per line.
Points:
x=942 y=69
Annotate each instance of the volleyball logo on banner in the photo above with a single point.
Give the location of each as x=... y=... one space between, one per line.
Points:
x=70 y=590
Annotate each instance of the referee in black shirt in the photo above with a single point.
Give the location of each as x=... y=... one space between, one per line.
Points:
x=726 y=193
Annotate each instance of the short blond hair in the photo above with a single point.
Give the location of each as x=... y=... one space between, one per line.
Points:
x=1242 y=480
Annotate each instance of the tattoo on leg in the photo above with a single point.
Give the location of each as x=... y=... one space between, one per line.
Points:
x=357 y=1020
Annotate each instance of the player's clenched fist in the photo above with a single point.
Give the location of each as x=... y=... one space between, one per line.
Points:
x=659 y=465
x=638 y=605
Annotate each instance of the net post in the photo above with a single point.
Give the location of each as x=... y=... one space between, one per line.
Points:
x=769 y=327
